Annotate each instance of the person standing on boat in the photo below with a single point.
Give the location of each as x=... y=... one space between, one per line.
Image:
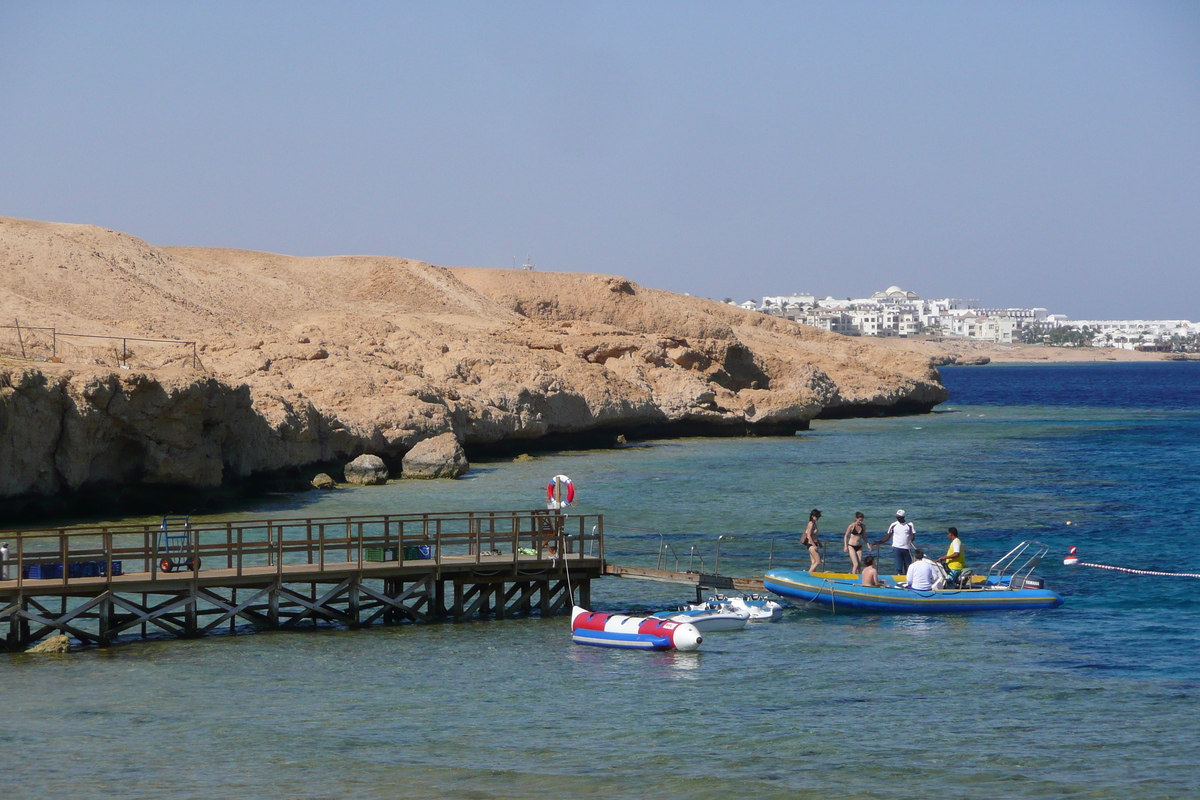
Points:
x=870 y=575
x=954 y=559
x=811 y=540
x=853 y=541
x=902 y=535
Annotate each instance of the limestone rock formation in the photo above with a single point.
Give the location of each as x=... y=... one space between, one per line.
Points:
x=300 y=361
x=54 y=644
x=438 y=457
x=366 y=470
x=323 y=481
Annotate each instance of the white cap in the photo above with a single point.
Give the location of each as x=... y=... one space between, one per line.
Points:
x=900 y=513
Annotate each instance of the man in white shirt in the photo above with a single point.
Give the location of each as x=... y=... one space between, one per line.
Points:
x=922 y=574
x=903 y=536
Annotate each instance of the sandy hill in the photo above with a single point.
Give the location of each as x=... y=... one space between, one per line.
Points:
x=311 y=360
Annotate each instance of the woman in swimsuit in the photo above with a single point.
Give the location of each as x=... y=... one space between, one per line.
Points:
x=853 y=541
x=812 y=541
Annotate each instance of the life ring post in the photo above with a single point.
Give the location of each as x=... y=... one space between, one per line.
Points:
x=560 y=492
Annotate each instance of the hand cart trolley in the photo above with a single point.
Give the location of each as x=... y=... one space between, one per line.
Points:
x=175 y=544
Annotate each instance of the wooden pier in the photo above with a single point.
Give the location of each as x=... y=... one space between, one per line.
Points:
x=699 y=580
x=97 y=584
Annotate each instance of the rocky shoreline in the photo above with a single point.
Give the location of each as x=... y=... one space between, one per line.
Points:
x=307 y=363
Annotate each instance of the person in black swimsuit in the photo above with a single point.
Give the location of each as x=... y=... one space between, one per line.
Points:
x=853 y=541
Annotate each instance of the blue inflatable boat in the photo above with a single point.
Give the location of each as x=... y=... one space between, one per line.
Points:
x=1003 y=588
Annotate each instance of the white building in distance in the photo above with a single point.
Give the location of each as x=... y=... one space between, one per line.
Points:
x=898 y=312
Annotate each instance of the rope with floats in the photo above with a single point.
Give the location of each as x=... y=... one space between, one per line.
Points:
x=1072 y=560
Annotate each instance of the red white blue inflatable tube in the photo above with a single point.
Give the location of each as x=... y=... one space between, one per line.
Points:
x=633 y=633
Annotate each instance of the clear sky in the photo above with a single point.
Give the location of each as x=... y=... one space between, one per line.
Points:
x=1041 y=153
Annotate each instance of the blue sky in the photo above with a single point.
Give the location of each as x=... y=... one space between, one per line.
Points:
x=1040 y=153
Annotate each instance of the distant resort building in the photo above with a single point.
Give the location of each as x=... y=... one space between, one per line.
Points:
x=898 y=312
x=1138 y=334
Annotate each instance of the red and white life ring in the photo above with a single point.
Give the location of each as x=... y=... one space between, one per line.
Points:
x=565 y=481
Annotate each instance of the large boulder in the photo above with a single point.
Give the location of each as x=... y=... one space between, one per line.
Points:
x=323 y=481
x=366 y=470
x=439 y=457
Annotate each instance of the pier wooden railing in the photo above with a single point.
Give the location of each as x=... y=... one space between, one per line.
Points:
x=310 y=545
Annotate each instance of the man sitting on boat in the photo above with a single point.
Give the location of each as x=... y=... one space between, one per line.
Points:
x=870 y=575
x=954 y=559
x=924 y=575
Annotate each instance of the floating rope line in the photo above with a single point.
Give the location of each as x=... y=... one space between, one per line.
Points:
x=1072 y=560
x=1140 y=571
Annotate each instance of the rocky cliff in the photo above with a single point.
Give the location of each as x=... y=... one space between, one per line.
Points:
x=316 y=360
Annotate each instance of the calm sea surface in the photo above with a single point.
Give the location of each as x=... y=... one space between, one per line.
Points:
x=1097 y=699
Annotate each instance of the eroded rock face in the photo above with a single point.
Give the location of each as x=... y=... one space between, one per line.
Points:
x=366 y=470
x=439 y=457
x=304 y=361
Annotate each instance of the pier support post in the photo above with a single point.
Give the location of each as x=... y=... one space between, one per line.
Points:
x=352 y=605
x=439 y=599
x=457 y=610
x=191 y=624
x=104 y=620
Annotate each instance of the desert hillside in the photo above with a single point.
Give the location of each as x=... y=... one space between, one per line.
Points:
x=306 y=361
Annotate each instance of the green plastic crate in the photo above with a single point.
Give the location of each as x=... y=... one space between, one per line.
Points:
x=379 y=554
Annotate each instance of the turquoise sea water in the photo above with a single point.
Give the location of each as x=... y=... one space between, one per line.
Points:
x=1096 y=699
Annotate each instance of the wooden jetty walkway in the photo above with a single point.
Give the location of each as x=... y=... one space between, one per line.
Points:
x=699 y=580
x=96 y=584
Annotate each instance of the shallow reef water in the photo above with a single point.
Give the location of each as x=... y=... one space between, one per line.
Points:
x=1094 y=699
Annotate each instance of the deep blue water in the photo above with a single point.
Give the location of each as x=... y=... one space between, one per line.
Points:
x=1096 y=699
x=1152 y=385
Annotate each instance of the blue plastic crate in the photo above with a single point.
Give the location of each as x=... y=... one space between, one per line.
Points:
x=52 y=571
x=416 y=552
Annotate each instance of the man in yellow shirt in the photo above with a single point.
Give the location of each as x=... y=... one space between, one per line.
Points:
x=954 y=559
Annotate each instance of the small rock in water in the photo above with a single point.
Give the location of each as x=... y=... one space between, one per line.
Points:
x=366 y=470
x=523 y=458
x=621 y=439
x=323 y=481
x=55 y=644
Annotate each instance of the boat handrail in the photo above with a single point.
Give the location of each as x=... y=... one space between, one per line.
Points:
x=665 y=546
x=1033 y=552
